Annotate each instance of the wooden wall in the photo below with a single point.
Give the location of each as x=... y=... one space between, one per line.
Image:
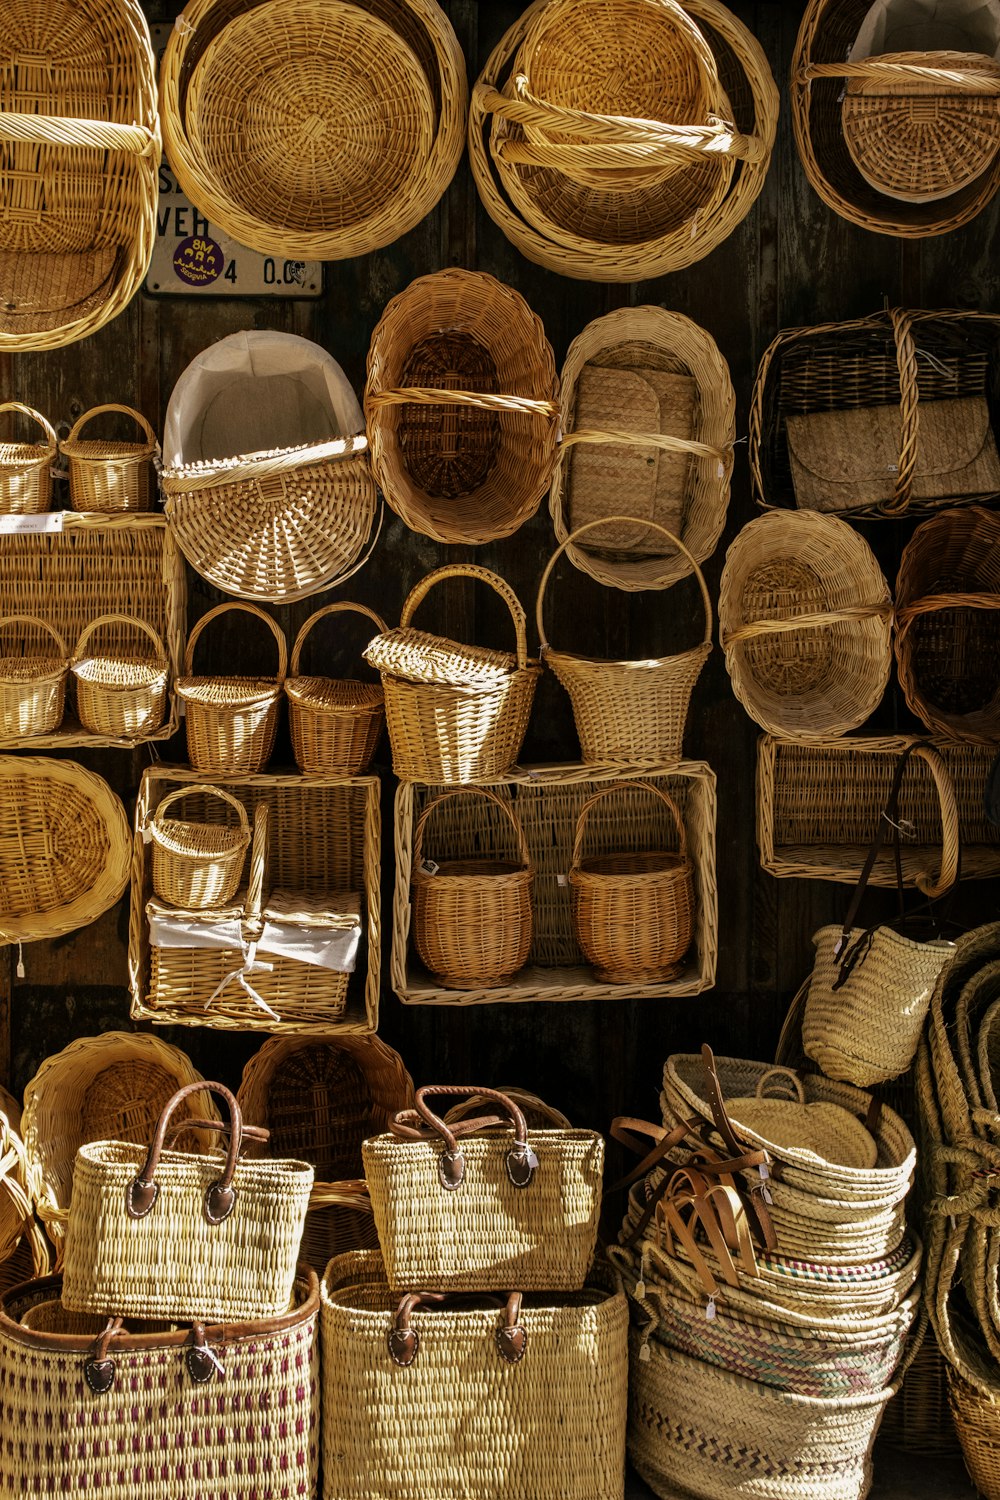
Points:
x=791 y=262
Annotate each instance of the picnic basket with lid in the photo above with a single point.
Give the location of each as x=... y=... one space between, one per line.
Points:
x=32 y=682
x=111 y=476
x=118 y=692
x=198 y=864
x=335 y=724
x=26 y=468
x=231 y=721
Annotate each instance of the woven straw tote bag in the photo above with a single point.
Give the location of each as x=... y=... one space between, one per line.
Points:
x=196 y=864
x=164 y=1233
x=231 y=722
x=26 y=468
x=111 y=476
x=628 y=712
x=32 y=683
x=120 y=693
x=335 y=724
x=461 y=1207
x=536 y=1399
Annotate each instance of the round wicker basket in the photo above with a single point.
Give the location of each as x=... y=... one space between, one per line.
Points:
x=198 y=865
x=111 y=476
x=118 y=692
x=26 y=468
x=335 y=724
x=32 y=684
x=231 y=722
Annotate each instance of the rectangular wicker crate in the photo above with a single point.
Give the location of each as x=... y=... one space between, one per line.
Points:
x=95 y=565
x=548 y=800
x=818 y=806
x=324 y=834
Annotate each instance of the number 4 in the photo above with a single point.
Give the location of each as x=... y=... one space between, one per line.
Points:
x=230 y=272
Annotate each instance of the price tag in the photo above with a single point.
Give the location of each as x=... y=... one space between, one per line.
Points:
x=48 y=521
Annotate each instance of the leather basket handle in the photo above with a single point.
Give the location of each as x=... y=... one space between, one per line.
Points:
x=521 y=1161
x=99 y=1367
x=403 y=1340
x=220 y=1195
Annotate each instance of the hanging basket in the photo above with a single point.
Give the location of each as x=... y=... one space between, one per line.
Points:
x=118 y=693
x=231 y=722
x=804 y=617
x=198 y=865
x=26 y=468
x=111 y=476
x=472 y=920
x=32 y=687
x=633 y=914
x=628 y=712
x=335 y=724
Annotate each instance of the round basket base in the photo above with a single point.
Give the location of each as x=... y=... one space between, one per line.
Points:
x=662 y=975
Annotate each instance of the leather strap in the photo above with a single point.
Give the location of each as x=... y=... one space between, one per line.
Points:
x=755 y=1203
x=521 y=1162
x=220 y=1196
x=253 y=1135
x=403 y=1340
x=99 y=1367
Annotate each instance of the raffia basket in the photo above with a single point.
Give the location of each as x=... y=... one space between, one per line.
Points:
x=335 y=724
x=119 y=693
x=78 y=188
x=646 y=405
x=460 y=401
x=32 y=683
x=26 y=468
x=198 y=865
x=472 y=918
x=975 y=1414
x=669 y=190
x=111 y=476
x=366 y=158
x=628 y=712
x=805 y=620
x=633 y=914
x=231 y=722
x=454 y=712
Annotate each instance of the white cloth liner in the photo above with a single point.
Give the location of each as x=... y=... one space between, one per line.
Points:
x=927 y=26
x=328 y=939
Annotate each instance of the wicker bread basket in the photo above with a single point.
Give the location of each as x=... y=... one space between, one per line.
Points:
x=32 y=685
x=111 y=476
x=26 y=468
x=231 y=722
x=335 y=724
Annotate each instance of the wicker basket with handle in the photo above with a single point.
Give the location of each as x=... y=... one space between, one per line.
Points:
x=26 y=468
x=198 y=865
x=335 y=724
x=231 y=722
x=111 y=476
x=119 y=693
x=32 y=686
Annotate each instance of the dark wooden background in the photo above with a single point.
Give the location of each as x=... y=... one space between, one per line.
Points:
x=791 y=262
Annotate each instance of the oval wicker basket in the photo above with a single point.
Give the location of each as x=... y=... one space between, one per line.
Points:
x=633 y=914
x=318 y=132
x=454 y=713
x=804 y=617
x=26 y=468
x=472 y=918
x=646 y=408
x=948 y=624
x=335 y=723
x=460 y=400
x=119 y=693
x=32 y=687
x=629 y=712
x=198 y=865
x=111 y=476
x=231 y=722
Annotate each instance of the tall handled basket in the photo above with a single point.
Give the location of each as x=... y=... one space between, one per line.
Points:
x=231 y=721
x=198 y=865
x=119 y=693
x=335 y=724
x=32 y=688
x=26 y=468
x=111 y=476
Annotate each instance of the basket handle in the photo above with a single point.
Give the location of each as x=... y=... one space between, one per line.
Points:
x=42 y=624
x=258 y=863
x=126 y=411
x=634 y=521
x=205 y=791
x=811 y=621
x=909 y=411
x=412 y=1124
x=144 y=625
x=329 y=609
x=932 y=602
x=250 y=609
x=645 y=440
x=555 y=1117
x=418 y=395
x=784 y=1079
x=51 y=441
x=220 y=1196
x=608 y=791
x=252 y=468
x=469 y=791
x=483 y=575
x=983 y=78
x=60 y=130
x=403 y=1340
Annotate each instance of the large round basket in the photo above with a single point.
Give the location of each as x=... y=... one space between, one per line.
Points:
x=335 y=723
x=472 y=918
x=231 y=722
x=111 y=476
x=461 y=407
x=32 y=682
x=633 y=712
x=804 y=616
x=79 y=179
x=198 y=865
x=119 y=692
x=646 y=409
x=948 y=624
x=26 y=468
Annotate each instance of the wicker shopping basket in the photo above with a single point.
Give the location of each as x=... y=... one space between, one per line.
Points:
x=197 y=864
x=32 y=683
x=461 y=406
x=111 y=476
x=26 y=468
x=335 y=724
x=454 y=712
x=231 y=722
x=119 y=693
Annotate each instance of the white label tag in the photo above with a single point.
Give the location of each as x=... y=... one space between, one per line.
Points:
x=429 y=867
x=562 y=879
x=50 y=520
x=147 y=835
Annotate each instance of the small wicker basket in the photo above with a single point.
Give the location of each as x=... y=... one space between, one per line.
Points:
x=32 y=687
x=633 y=914
x=26 y=468
x=198 y=865
x=472 y=919
x=335 y=724
x=117 y=692
x=231 y=722
x=111 y=476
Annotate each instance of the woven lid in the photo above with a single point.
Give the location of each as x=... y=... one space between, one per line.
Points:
x=340 y=910
x=418 y=656
x=121 y=671
x=31 y=668
x=227 y=692
x=826 y=1131
x=331 y=694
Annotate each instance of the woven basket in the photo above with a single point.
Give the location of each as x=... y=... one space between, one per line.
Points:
x=333 y=160
x=460 y=400
x=880 y=416
x=918 y=1419
x=974 y=1414
x=32 y=685
x=804 y=617
x=454 y=713
x=231 y=722
x=472 y=917
x=111 y=476
x=198 y=865
x=646 y=406
x=633 y=913
x=21 y=1235
x=862 y=118
x=78 y=188
x=335 y=724
x=628 y=712
x=948 y=624
x=64 y=847
x=118 y=693
x=26 y=468
x=696 y=182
